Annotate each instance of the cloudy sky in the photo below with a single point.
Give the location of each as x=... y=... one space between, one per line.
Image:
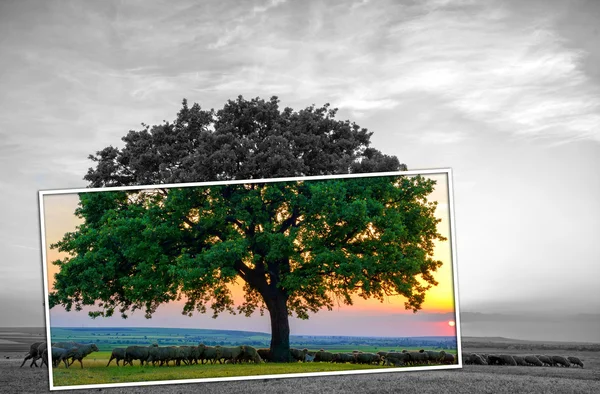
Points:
x=507 y=93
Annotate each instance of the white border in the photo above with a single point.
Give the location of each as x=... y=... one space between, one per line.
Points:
x=447 y=171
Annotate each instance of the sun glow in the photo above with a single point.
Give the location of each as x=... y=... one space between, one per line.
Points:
x=451 y=323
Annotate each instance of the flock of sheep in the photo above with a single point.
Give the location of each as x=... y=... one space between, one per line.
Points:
x=514 y=360
x=67 y=352
x=201 y=354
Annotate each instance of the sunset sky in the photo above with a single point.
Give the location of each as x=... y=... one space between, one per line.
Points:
x=390 y=317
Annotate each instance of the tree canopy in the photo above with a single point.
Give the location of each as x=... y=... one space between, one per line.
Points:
x=296 y=246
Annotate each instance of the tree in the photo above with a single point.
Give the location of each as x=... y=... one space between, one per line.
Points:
x=296 y=246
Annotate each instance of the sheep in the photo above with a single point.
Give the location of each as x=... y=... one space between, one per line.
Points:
x=298 y=355
x=117 y=354
x=519 y=360
x=32 y=353
x=449 y=359
x=367 y=358
x=395 y=359
x=80 y=352
x=473 y=358
x=419 y=357
x=436 y=357
x=251 y=354
x=40 y=351
x=501 y=359
x=58 y=354
x=322 y=355
x=208 y=353
x=545 y=359
x=560 y=360
x=532 y=360
x=229 y=353
x=265 y=354
x=343 y=358
x=136 y=353
x=186 y=353
x=575 y=361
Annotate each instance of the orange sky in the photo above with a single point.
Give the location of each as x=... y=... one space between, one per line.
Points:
x=59 y=219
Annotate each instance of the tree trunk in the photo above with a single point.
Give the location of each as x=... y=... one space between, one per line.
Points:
x=280 y=328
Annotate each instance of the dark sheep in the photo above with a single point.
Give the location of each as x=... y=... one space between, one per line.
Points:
x=344 y=358
x=208 y=353
x=33 y=352
x=41 y=350
x=80 y=352
x=367 y=358
x=117 y=354
x=545 y=359
x=560 y=360
x=418 y=357
x=436 y=357
x=324 y=356
x=58 y=354
x=265 y=354
x=575 y=361
x=501 y=359
x=533 y=360
x=251 y=354
x=449 y=359
x=229 y=353
x=520 y=360
x=396 y=359
x=298 y=355
x=137 y=353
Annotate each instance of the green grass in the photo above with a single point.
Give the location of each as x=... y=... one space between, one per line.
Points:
x=96 y=372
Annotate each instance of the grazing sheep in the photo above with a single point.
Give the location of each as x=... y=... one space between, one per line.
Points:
x=42 y=347
x=473 y=359
x=265 y=354
x=251 y=354
x=367 y=358
x=229 y=353
x=58 y=354
x=298 y=355
x=186 y=354
x=80 y=352
x=560 y=360
x=32 y=353
x=322 y=355
x=208 y=353
x=501 y=359
x=436 y=357
x=533 y=360
x=520 y=360
x=343 y=357
x=545 y=359
x=137 y=353
x=395 y=359
x=575 y=361
x=449 y=359
x=118 y=354
x=419 y=357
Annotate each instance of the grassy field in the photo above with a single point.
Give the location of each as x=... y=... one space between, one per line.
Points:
x=95 y=370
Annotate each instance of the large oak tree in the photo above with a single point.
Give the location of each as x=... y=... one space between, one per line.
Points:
x=297 y=247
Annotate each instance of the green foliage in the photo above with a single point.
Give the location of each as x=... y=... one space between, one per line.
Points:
x=297 y=246
x=313 y=241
